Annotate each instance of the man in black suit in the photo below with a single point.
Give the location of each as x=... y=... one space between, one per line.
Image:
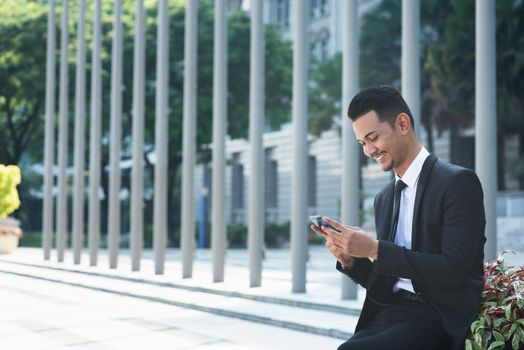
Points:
x=424 y=272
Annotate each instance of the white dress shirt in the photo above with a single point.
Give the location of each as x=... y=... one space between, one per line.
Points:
x=407 y=206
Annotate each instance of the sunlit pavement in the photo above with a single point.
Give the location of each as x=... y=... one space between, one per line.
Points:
x=51 y=305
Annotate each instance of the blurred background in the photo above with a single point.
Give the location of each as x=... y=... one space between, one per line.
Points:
x=447 y=107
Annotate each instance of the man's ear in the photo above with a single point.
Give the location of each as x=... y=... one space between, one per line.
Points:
x=403 y=123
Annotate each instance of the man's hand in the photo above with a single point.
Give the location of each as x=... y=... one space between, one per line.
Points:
x=350 y=242
x=345 y=259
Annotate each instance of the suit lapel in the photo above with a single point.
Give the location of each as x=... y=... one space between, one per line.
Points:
x=421 y=186
x=387 y=211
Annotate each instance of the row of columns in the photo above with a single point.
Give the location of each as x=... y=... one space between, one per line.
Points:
x=485 y=112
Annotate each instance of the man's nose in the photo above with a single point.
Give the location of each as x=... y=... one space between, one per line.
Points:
x=370 y=150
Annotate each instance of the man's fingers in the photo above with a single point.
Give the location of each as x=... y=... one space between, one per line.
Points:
x=334 y=223
x=329 y=232
x=318 y=231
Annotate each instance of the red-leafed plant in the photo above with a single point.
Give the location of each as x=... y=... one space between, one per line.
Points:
x=500 y=324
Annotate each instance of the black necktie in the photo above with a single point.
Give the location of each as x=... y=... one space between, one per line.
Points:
x=399 y=186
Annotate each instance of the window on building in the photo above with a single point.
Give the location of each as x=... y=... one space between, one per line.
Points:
x=313 y=50
x=312 y=182
x=283 y=12
x=205 y=206
x=206 y=181
x=313 y=8
x=271 y=187
x=323 y=7
x=286 y=7
x=237 y=190
x=324 y=50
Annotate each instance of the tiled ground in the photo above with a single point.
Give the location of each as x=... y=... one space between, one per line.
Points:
x=38 y=315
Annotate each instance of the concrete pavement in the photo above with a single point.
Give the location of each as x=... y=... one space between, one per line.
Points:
x=38 y=315
x=51 y=305
x=254 y=317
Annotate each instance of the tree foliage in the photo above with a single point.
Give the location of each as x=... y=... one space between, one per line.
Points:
x=22 y=83
x=324 y=94
x=23 y=26
x=448 y=69
x=451 y=65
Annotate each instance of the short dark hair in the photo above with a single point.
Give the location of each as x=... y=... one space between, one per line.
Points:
x=385 y=100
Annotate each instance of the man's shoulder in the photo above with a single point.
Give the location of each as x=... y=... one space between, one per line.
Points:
x=452 y=178
x=449 y=172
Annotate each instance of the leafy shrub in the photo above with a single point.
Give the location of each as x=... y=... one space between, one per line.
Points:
x=500 y=324
x=31 y=239
x=276 y=235
x=9 y=178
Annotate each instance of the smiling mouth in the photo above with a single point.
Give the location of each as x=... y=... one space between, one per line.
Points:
x=379 y=157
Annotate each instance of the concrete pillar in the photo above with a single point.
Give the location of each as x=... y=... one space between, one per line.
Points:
x=218 y=224
x=61 y=206
x=95 y=138
x=411 y=58
x=113 y=217
x=299 y=216
x=187 y=238
x=137 y=171
x=49 y=142
x=80 y=81
x=161 y=138
x=486 y=117
x=256 y=128
x=350 y=196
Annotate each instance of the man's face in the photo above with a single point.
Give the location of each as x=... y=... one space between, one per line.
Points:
x=379 y=140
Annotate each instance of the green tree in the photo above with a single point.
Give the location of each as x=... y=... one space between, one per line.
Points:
x=379 y=60
x=23 y=26
x=324 y=94
x=278 y=87
x=22 y=84
x=448 y=70
x=451 y=64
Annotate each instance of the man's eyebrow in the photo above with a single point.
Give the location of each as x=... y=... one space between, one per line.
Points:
x=367 y=135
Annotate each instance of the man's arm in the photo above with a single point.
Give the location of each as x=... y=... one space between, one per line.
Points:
x=358 y=269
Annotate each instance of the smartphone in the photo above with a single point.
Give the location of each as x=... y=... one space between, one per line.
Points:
x=318 y=222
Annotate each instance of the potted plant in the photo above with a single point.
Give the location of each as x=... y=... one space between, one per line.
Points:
x=500 y=324
x=10 y=231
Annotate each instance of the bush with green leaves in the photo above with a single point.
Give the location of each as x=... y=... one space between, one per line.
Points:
x=9 y=178
x=500 y=324
x=237 y=235
x=276 y=235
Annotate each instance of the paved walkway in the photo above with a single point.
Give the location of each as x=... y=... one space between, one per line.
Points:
x=61 y=305
x=268 y=317
x=38 y=315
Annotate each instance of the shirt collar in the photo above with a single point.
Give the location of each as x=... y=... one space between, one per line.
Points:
x=412 y=174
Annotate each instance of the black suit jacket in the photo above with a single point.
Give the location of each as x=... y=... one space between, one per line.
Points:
x=445 y=263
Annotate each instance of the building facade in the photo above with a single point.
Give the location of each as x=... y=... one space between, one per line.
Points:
x=324 y=177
